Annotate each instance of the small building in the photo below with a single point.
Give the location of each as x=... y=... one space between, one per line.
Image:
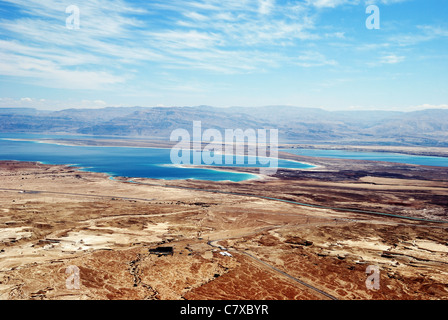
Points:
x=225 y=253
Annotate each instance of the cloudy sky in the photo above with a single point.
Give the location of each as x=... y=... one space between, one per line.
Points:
x=311 y=53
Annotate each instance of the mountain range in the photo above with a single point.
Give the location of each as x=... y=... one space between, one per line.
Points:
x=297 y=125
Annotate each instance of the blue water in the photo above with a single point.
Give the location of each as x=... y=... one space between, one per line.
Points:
x=116 y=161
x=372 y=156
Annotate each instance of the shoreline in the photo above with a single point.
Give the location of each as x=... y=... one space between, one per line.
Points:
x=113 y=176
x=256 y=176
x=88 y=141
x=422 y=151
x=55 y=142
x=315 y=164
x=220 y=168
x=438 y=152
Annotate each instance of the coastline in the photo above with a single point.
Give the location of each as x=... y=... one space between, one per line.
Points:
x=80 y=141
x=438 y=152
x=315 y=164
x=113 y=176
x=423 y=151
x=164 y=146
x=257 y=177
x=66 y=144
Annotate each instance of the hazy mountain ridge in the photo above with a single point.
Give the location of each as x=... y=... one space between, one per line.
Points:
x=426 y=127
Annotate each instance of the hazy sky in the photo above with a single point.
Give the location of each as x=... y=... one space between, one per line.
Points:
x=311 y=53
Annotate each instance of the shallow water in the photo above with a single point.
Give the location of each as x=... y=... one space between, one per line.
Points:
x=372 y=156
x=117 y=161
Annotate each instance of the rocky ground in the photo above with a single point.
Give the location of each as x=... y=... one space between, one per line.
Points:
x=225 y=246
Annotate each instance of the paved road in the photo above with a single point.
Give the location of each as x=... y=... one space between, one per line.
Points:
x=265 y=264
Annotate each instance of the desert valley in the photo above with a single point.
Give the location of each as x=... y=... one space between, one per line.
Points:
x=301 y=234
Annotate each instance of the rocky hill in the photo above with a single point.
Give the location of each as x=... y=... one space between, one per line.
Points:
x=298 y=125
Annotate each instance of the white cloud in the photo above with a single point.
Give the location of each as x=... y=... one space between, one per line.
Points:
x=330 y=3
x=266 y=6
x=385 y=2
x=117 y=38
x=44 y=52
x=434 y=31
x=428 y=106
x=313 y=59
x=47 y=104
x=50 y=74
x=392 y=59
x=100 y=102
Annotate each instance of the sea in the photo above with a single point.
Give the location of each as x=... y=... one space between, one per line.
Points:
x=154 y=163
x=372 y=156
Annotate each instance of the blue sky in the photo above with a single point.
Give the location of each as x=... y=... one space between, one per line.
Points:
x=310 y=53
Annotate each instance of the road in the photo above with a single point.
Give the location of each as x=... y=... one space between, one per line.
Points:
x=211 y=243
x=265 y=264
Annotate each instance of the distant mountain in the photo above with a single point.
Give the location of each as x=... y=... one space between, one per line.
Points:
x=298 y=125
x=20 y=111
x=160 y=122
x=95 y=115
x=425 y=122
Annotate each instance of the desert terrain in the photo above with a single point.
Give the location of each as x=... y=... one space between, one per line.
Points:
x=298 y=235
